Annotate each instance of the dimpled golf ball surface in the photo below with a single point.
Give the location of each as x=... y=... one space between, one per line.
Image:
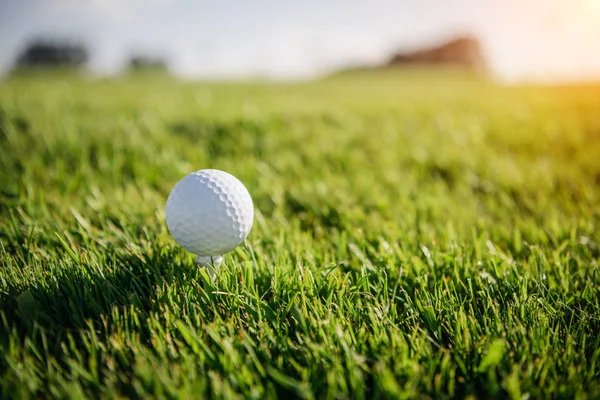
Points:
x=209 y=212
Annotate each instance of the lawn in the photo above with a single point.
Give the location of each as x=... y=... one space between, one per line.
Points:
x=416 y=235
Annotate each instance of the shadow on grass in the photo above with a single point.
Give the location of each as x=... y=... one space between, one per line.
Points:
x=79 y=302
x=77 y=295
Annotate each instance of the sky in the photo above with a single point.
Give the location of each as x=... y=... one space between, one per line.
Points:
x=524 y=40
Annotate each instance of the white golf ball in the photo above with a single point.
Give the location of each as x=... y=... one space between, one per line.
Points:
x=209 y=212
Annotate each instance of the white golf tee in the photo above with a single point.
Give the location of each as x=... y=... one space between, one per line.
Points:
x=211 y=264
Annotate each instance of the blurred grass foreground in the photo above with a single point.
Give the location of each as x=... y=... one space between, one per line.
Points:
x=417 y=234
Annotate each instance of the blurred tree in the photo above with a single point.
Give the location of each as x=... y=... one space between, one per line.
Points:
x=464 y=51
x=46 y=53
x=139 y=63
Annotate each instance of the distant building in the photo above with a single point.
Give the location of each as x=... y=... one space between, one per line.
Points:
x=463 y=52
x=52 y=54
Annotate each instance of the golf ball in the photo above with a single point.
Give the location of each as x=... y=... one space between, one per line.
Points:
x=209 y=212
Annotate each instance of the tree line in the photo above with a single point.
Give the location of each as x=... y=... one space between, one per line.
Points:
x=43 y=53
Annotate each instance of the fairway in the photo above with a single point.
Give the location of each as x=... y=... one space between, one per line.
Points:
x=416 y=235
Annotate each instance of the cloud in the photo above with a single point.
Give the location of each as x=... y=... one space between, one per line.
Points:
x=116 y=10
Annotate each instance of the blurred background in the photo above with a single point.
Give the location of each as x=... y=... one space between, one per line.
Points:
x=511 y=40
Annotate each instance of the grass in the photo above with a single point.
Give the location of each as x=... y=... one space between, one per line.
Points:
x=416 y=236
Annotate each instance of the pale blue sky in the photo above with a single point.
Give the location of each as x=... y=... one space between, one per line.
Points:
x=523 y=39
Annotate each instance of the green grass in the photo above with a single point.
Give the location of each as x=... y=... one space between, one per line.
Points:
x=416 y=235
